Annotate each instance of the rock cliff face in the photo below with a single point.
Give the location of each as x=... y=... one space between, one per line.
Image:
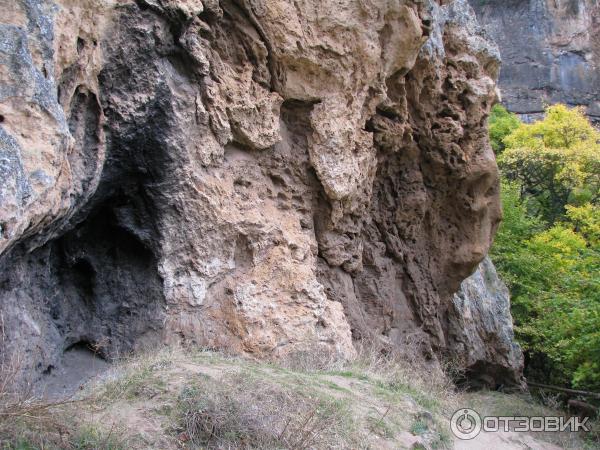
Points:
x=481 y=328
x=550 y=51
x=268 y=177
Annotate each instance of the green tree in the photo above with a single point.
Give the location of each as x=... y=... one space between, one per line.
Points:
x=554 y=280
x=548 y=246
x=566 y=306
x=501 y=124
x=586 y=220
x=516 y=228
x=556 y=161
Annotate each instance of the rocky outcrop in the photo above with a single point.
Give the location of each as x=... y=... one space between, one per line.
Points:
x=550 y=52
x=268 y=177
x=481 y=329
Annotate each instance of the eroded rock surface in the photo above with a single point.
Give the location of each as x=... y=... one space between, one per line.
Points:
x=268 y=177
x=481 y=325
x=550 y=52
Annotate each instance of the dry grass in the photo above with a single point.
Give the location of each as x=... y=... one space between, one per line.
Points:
x=244 y=410
x=21 y=414
x=28 y=422
x=182 y=398
x=209 y=400
x=130 y=377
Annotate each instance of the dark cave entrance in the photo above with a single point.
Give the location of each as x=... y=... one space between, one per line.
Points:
x=97 y=281
x=78 y=364
x=94 y=348
x=90 y=295
x=107 y=272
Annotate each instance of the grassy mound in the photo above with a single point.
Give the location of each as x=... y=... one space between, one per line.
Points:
x=198 y=399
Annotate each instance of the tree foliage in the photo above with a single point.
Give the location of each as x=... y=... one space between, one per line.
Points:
x=548 y=246
x=555 y=160
x=501 y=124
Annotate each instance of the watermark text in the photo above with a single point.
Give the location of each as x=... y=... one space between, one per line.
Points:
x=467 y=423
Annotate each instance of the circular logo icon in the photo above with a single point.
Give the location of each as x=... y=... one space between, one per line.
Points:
x=466 y=424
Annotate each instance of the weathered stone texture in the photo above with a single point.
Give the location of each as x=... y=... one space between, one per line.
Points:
x=267 y=177
x=481 y=327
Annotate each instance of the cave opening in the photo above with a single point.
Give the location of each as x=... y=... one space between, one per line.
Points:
x=86 y=346
x=86 y=297
x=78 y=363
x=109 y=276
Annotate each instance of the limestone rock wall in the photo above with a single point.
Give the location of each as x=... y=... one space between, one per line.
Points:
x=268 y=177
x=550 y=52
x=481 y=326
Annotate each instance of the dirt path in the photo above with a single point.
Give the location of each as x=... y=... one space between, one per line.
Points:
x=503 y=440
